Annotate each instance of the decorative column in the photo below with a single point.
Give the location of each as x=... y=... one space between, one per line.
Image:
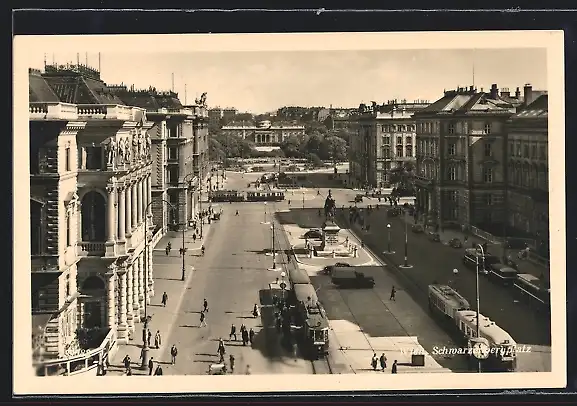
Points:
x=129 y=301
x=121 y=214
x=123 y=325
x=134 y=205
x=128 y=207
x=111 y=300
x=140 y=202
x=141 y=286
x=111 y=213
x=135 y=292
x=150 y=276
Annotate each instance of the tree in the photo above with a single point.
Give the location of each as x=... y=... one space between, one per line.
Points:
x=334 y=148
x=315 y=127
x=314 y=159
x=290 y=146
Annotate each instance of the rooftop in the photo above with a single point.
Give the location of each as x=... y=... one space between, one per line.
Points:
x=149 y=99
x=537 y=109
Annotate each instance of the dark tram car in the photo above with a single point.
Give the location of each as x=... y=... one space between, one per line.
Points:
x=299 y=276
x=264 y=195
x=226 y=196
x=311 y=322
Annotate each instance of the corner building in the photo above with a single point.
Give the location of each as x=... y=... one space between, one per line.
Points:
x=461 y=158
x=90 y=178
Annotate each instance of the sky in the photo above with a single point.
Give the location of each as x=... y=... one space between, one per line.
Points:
x=263 y=81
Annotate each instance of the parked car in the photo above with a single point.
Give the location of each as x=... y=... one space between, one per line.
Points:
x=327 y=270
x=314 y=234
x=472 y=255
x=435 y=237
x=502 y=273
x=349 y=278
x=455 y=243
x=417 y=228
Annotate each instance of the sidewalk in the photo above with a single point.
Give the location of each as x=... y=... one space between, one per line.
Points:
x=167 y=271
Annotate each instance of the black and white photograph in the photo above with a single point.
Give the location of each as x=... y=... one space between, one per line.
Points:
x=281 y=210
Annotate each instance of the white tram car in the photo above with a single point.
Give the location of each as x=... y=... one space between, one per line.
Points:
x=456 y=313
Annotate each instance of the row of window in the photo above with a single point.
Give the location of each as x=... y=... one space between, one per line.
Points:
x=452 y=128
x=408 y=140
x=398 y=151
x=529 y=177
x=525 y=150
x=430 y=147
x=453 y=172
x=391 y=128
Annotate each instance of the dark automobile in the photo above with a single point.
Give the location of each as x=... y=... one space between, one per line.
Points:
x=435 y=237
x=327 y=270
x=314 y=234
x=349 y=278
x=502 y=273
x=358 y=198
x=472 y=255
x=417 y=228
x=455 y=243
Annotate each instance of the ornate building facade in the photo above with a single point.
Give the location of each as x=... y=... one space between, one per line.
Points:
x=90 y=179
x=264 y=133
x=384 y=140
x=527 y=180
x=461 y=157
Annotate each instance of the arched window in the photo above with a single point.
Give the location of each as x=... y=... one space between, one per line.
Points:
x=36 y=228
x=93 y=217
x=93 y=283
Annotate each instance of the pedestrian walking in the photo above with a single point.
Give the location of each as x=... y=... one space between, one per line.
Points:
x=394 y=367
x=251 y=336
x=383 y=360
x=393 y=293
x=202 y=320
x=194 y=237
x=374 y=362
x=202 y=248
x=231 y=361
x=255 y=311
x=247 y=370
x=244 y=337
x=164 y=299
x=205 y=306
x=173 y=353
x=158 y=370
x=232 y=332
x=157 y=339
x=126 y=362
x=148 y=337
x=150 y=365
x=221 y=351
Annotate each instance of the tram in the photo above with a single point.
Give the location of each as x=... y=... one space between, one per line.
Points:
x=226 y=196
x=456 y=315
x=311 y=319
x=272 y=195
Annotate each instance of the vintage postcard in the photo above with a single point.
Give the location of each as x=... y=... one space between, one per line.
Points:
x=290 y=212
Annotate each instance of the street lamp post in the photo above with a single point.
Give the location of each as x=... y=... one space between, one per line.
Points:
x=274 y=268
x=264 y=221
x=455 y=274
x=406 y=263
x=389 y=251
x=479 y=246
x=303 y=200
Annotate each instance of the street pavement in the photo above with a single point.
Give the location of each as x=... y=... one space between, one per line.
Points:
x=233 y=276
x=364 y=321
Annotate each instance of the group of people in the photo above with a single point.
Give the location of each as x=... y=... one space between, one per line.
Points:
x=382 y=360
x=247 y=336
x=127 y=362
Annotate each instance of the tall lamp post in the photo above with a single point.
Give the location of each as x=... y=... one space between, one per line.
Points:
x=406 y=264
x=480 y=247
x=389 y=251
x=303 y=200
x=145 y=347
x=264 y=221
x=274 y=268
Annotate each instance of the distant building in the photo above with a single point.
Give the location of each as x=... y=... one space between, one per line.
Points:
x=384 y=140
x=214 y=117
x=263 y=133
x=229 y=114
x=527 y=173
x=461 y=157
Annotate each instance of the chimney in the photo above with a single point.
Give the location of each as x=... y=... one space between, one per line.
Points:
x=494 y=91
x=517 y=93
x=505 y=92
x=527 y=93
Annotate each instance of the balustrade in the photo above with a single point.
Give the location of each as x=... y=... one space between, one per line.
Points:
x=90 y=248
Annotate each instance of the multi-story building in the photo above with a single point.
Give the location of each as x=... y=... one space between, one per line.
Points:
x=214 y=118
x=527 y=174
x=461 y=157
x=384 y=141
x=229 y=114
x=179 y=150
x=264 y=133
x=90 y=180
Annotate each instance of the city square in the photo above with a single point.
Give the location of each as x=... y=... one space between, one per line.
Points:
x=176 y=231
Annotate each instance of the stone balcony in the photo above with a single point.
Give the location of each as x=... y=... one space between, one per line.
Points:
x=52 y=111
